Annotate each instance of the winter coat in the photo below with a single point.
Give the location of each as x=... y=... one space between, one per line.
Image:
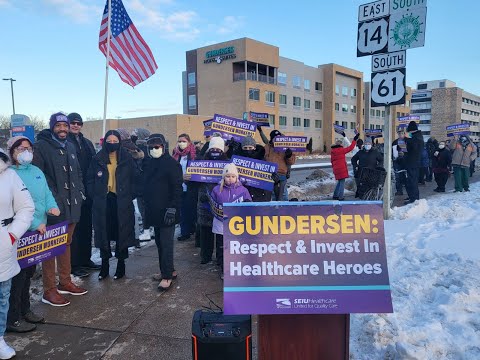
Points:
x=415 y=145
x=204 y=212
x=442 y=159
x=235 y=193
x=278 y=157
x=15 y=203
x=424 y=160
x=97 y=189
x=85 y=152
x=339 y=165
x=366 y=159
x=63 y=174
x=398 y=156
x=35 y=181
x=258 y=195
x=162 y=189
x=463 y=155
x=431 y=146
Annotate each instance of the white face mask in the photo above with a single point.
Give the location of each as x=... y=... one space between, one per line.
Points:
x=368 y=147
x=156 y=153
x=25 y=157
x=441 y=146
x=182 y=145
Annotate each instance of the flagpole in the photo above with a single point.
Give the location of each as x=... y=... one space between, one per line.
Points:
x=106 y=68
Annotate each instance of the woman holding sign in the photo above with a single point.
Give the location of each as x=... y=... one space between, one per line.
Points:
x=16 y=214
x=20 y=317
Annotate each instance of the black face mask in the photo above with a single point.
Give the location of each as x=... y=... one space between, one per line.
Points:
x=112 y=147
x=249 y=153
x=215 y=154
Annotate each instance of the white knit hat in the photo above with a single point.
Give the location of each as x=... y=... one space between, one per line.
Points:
x=216 y=143
x=230 y=169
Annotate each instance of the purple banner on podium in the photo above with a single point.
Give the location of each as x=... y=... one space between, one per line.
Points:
x=305 y=258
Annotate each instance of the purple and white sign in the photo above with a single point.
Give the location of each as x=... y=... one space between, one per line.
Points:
x=255 y=173
x=406 y=119
x=207 y=125
x=261 y=119
x=458 y=129
x=373 y=132
x=338 y=128
x=305 y=258
x=294 y=143
x=34 y=248
x=230 y=127
x=206 y=171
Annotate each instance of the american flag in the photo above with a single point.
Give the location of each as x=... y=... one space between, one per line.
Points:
x=130 y=55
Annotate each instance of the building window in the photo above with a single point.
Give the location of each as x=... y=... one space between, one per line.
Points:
x=377 y=113
x=282 y=120
x=337 y=107
x=191 y=80
x=353 y=125
x=353 y=92
x=353 y=109
x=398 y=114
x=378 y=127
x=318 y=105
x=306 y=85
x=296 y=82
x=192 y=102
x=372 y=112
x=344 y=108
x=344 y=91
x=297 y=101
x=421 y=86
x=372 y=126
x=271 y=119
x=442 y=84
x=282 y=78
x=253 y=94
x=337 y=90
x=269 y=97
x=306 y=123
x=383 y=114
x=306 y=104
x=336 y=123
x=318 y=86
x=318 y=124
x=345 y=124
x=297 y=121
x=283 y=99
x=408 y=103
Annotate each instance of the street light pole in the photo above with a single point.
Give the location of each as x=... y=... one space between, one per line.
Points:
x=11 y=86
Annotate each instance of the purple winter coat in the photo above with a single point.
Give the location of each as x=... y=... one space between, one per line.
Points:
x=235 y=193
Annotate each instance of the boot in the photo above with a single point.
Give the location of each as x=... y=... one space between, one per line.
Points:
x=6 y=352
x=33 y=318
x=120 y=272
x=21 y=327
x=104 y=270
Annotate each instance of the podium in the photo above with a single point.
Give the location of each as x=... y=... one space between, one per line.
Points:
x=303 y=337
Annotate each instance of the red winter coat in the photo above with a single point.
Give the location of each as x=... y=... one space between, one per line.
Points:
x=339 y=164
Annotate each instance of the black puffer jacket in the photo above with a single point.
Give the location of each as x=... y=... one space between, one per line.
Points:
x=63 y=174
x=97 y=186
x=366 y=159
x=442 y=160
x=415 y=146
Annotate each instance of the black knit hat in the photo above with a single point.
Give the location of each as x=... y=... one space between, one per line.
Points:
x=412 y=126
x=274 y=133
x=75 y=117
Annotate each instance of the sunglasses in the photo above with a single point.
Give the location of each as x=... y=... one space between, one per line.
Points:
x=78 y=123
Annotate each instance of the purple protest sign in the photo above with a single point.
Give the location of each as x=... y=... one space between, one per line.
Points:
x=255 y=173
x=207 y=125
x=230 y=127
x=406 y=119
x=305 y=258
x=458 y=129
x=373 y=132
x=262 y=119
x=294 y=143
x=206 y=171
x=34 y=248
x=338 y=128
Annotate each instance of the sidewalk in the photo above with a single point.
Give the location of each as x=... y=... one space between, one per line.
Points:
x=127 y=318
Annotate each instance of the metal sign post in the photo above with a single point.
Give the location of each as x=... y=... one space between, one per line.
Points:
x=387 y=161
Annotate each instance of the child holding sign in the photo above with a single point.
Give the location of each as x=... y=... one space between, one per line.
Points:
x=230 y=190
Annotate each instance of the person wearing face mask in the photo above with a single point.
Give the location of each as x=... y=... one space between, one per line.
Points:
x=111 y=185
x=20 y=316
x=162 y=191
x=464 y=151
x=57 y=159
x=183 y=153
x=398 y=155
x=368 y=157
x=441 y=161
x=415 y=144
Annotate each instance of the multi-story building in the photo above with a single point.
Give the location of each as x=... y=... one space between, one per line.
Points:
x=246 y=75
x=440 y=103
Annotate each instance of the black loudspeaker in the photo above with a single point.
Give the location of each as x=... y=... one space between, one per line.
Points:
x=221 y=337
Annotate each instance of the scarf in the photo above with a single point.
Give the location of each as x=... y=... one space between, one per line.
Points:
x=190 y=149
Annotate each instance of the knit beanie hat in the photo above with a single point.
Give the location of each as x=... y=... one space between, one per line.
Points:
x=248 y=141
x=368 y=140
x=12 y=142
x=274 y=133
x=58 y=117
x=412 y=126
x=230 y=169
x=75 y=117
x=216 y=143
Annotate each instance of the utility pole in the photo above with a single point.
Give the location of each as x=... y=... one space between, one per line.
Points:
x=11 y=86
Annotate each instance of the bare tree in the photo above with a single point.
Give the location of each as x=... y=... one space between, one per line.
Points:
x=4 y=122
x=38 y=123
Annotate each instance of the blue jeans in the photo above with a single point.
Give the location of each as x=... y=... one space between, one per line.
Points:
x=4 y=304
x=339 y=189
x=280 y=192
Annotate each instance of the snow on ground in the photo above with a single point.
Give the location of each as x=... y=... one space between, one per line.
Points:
x=433 y=249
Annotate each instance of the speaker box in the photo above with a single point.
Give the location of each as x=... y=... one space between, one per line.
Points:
x=220 y=337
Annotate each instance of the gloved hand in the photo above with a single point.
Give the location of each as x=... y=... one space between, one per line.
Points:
x=288 y=153
x=343 y=133
x=275 y=177
x=356 y=137
x=169 y=218
x=435 y=153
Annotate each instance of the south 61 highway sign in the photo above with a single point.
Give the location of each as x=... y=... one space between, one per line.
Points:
x=388 y=88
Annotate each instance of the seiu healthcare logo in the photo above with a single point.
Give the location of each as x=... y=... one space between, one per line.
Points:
x=284 y=304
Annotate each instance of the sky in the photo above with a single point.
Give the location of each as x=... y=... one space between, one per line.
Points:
x=51 y=48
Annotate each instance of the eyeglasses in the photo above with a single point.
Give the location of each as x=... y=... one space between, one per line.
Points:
x=22 y=149
x=77 y=123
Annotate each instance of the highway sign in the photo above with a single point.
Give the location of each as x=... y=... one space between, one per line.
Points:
x=407 y=29
x=390 y=61
x=388 y=88
x=372 y=37
x=373 y=10
x=406 y=5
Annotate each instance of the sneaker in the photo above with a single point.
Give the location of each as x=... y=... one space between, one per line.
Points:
x=21 y=327
x=145 y=236
x=52 y=297
x=33 y=318
x=467 y=189
x=6 y=352
x=92 y=266
x=71 y=289
x=78 y=272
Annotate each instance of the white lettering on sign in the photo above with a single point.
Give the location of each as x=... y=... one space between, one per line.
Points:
x=389 y=61
x=373 y=10
x=372 y=37
x=388 y=88
x=406 y=5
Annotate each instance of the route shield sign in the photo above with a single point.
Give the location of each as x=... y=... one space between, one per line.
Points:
x=407 y=29
x=388 y=88
x=372 y=37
